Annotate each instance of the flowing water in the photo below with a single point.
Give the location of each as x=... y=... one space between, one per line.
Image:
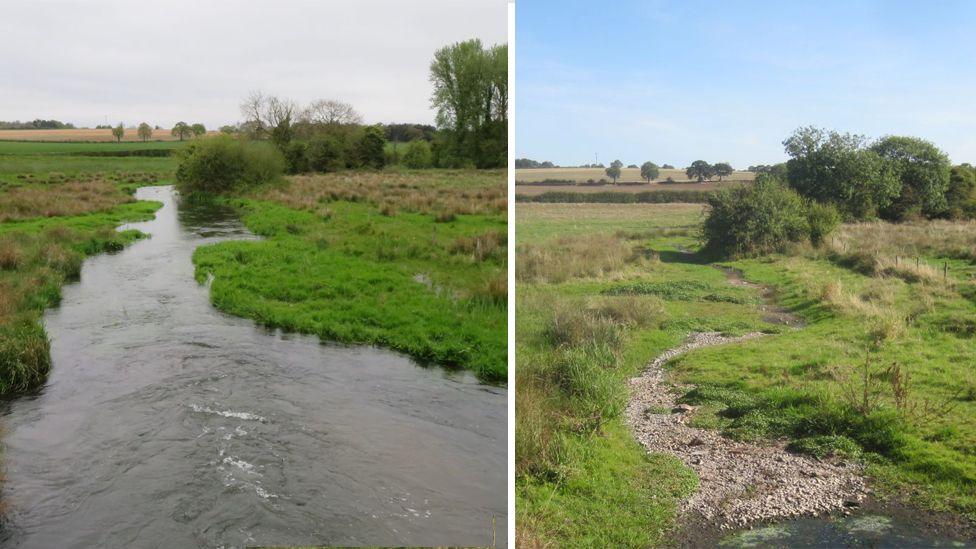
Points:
x=166 y=423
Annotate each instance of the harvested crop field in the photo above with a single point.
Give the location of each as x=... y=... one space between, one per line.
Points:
x=82 y=135
x=533 y=190
x=627 y=175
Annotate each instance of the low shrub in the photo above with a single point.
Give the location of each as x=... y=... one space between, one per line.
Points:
x=224 y=163
x=759 y=219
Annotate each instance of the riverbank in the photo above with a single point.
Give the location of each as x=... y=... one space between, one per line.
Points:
x=414 y=261
x=47 y=229
x=874 y=307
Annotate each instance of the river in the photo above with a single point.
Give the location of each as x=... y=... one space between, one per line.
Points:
x=166 y=423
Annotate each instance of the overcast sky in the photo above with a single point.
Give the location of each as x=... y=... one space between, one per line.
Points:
x=670 y=81
x=162 y=62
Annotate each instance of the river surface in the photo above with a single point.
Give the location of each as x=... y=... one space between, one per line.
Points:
x=166 y=423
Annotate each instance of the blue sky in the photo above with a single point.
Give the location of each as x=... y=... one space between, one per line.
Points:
x=673 y=82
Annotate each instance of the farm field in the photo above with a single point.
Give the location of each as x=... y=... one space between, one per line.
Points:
x=603 y=289
x=627 y=175
x=83 y=135
x=527 y=189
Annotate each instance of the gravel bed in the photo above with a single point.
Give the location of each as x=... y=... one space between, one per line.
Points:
x=741 y=483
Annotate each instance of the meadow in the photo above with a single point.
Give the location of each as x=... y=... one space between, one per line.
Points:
x=881 y=372
x=627 y=175
x=411 y=260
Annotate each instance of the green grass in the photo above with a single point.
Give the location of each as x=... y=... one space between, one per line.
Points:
x=790 y=384
x=354 y=275
x=69 y=148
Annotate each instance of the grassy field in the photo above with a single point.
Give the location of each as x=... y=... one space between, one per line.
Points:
x=414 y=261
x=598 y=298
x=82 y=135
x=627 y=175
x=69 y=147
x=37 y=163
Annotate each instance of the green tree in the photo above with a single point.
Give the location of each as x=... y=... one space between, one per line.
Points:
x=145 y=131
x=198 y=129
x=118 y=132
x=923 y=170
x=181 y=130
x=613 y=172
x=418 y=154
x=722 y=169
x=699 y=170
x=961 y=194
x=840 y=169
x=649 y=171
x=471 y=99
x=370 y=147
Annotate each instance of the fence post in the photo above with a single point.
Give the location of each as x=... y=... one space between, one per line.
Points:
x=945 y=270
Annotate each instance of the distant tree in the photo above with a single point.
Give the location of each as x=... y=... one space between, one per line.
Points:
x=181 y=130
x=198 y=129
x=228 y=129
x=118 y=132
x=722 y=169
x=667 y=167
x=649 y=171
x=330 y=112
x=631 y=166
x=370 y=147
x=699 y=170
x=145 y=131
x=924 y=173
x=613 y=172
x=262 y=113
x=836 y=168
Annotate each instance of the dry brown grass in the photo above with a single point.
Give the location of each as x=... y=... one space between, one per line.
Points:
x=581 y=175
x=444 y=193
x=71 y=198
x=883 y=320
x=490 y=245
x=82 y=135
x=573 y=257
x=954 y=239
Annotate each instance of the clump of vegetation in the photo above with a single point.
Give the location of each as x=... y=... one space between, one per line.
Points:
x=224 y=163
x=360 y=258
x=761 y=219
x=567 y=258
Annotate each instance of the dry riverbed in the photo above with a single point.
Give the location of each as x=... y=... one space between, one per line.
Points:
x=741 y=483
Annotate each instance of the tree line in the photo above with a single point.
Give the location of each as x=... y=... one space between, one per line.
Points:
x=470 y=98
x=830 y=177
x=37 y=124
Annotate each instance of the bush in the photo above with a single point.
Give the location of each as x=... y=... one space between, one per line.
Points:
x=755 y=220
x=370 y=148
x=418 y=154
x=224 y=163
x=822 y=219
x=296 y=157
x=325 y=154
